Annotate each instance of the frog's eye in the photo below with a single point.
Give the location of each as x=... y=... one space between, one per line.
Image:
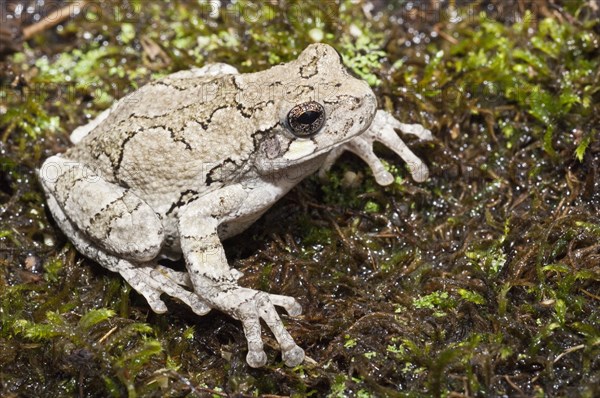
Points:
x=306 y=119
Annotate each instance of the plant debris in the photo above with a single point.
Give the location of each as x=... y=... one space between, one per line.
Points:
x=482 y=281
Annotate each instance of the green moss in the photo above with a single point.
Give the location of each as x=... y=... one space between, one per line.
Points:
x=483 y=281
x=472 y=297
x=436 y=301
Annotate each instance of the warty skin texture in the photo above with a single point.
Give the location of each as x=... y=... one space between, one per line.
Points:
x=196 y=157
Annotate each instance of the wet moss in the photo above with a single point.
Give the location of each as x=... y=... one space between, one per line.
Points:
x=483 y=281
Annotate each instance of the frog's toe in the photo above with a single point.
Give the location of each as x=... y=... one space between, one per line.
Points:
x=364 y=149
x=294 y=309
x=293 y=357
x=152 y=281
x=290 y=304
x=166 y=280
x=137 y=278
x=419 y=172
x=416 y=130
x=292 y=354
x=155 y=302
x=235 y=274
x=256 y=354
x=388 y=137
x=181 y=278
x=256 y=359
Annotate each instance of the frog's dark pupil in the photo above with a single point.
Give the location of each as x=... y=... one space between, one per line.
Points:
x=306 y=119
x=309 y=117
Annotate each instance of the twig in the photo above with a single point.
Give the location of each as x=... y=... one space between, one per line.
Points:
x=111 y=331
x=438 y=29
x=513 y=385
x=589 y=294
x=52 y=19
x=568 y=351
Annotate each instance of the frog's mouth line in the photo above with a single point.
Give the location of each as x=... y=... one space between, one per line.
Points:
x=308 y=148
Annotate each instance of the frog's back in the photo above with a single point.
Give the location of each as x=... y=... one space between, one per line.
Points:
x=191 y=132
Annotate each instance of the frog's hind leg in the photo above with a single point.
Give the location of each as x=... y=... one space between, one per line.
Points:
x=110 y=216
x=148 y=279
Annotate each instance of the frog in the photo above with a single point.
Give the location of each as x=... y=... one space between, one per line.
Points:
x=195 y=157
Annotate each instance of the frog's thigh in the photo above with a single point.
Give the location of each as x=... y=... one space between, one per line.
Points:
x=112 y=217
x=149 y=279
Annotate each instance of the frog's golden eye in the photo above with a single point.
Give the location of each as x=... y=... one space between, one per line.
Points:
x=306 y=119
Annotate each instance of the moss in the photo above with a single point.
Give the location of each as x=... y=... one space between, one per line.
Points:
x=483 y=281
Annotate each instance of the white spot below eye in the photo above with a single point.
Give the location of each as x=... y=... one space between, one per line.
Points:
x=299 y=149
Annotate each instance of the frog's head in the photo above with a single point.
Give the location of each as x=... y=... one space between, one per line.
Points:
x=319 y=107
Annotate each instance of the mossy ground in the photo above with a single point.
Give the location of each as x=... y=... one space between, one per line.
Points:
x=483 y=281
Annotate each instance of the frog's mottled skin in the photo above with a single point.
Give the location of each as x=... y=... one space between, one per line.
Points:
x=196 y=157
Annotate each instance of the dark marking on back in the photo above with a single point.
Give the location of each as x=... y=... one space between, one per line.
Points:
x=185 y=197
x=206 y=123
x=309 y=70
x=213 y=175
x=129 y=136
x=243 y=111
x=177 y=137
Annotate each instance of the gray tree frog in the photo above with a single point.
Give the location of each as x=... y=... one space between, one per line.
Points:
x=196 y=157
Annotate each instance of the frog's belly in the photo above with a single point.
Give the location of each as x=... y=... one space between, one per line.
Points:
x=231 y=228
x=261 y=194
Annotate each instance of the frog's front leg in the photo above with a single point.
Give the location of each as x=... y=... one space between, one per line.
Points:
x=382 y=130
x=214 y=282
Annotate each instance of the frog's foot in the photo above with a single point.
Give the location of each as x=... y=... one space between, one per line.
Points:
x=183 y=278
x=151 y=281
x=261 y=305
x=382 y=130
x=250 y=306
